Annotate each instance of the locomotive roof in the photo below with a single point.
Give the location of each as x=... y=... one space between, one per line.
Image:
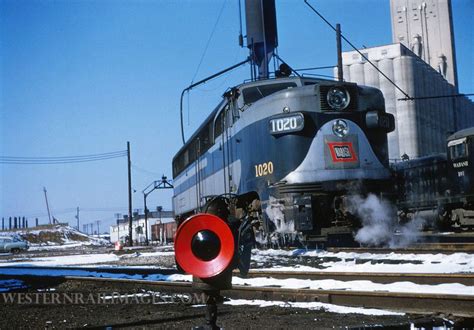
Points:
x=421 y=161
x=462 y=133
x=301 y=80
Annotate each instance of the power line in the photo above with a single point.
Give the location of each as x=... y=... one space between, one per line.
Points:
x=357 y=50
x=209 y=40
x=140 y=169
x=316 y=68
x=61 y=160
x=434 y=97
x=40 y=214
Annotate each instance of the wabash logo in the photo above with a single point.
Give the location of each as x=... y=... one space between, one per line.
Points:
x=342 y=152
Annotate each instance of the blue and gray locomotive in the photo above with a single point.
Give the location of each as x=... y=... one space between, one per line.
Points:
x=298 y=145
x=285 y=147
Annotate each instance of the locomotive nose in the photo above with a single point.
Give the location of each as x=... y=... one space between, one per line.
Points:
x=206 y=245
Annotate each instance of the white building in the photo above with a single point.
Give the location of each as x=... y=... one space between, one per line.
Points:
x=120 y=230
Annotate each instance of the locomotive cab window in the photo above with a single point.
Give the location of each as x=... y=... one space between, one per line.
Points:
x=458 y=148
x=255 y=93
x=219 y=122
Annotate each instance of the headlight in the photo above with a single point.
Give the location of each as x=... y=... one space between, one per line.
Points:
x=338 y=98
x=340 y=128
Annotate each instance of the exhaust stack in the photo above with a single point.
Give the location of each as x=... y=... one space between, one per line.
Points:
x=262 y=39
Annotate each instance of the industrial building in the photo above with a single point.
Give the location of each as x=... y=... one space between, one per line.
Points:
x=422 y=125
x=426 y=28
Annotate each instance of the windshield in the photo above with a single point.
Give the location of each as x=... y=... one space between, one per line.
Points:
x=458 y=150
x=255 y=93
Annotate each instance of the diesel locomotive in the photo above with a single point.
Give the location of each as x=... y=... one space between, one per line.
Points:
x=440 y=188
x=298 y=145
x=287 y=147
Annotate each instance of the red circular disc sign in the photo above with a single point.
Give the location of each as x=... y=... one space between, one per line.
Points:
x=184 y=254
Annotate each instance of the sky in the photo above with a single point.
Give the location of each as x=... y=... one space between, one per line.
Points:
x=84 y=77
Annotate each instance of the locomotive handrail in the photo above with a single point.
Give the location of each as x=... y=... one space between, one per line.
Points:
x=202 y=82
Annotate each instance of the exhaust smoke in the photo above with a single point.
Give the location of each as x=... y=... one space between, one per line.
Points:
x=380 y=226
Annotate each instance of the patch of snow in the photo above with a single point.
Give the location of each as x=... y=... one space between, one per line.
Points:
x=81 y=259
x=406 y=287
x=7 y=285
x=313 y=306
x=54 y=246
x=87 y=273
x=66 y=235
x=157 y=253
x=361 y=262
x=290 y=283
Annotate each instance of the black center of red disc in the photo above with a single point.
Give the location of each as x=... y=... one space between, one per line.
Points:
x=206 y=245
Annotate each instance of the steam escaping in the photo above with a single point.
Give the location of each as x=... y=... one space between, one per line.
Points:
x=283 y=232
x=274 y=211
x=380 y=225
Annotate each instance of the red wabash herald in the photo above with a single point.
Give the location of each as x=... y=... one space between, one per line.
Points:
x=342 y=152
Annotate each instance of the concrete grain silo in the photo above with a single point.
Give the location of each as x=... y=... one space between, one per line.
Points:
x=421 y=125
x=386 y=66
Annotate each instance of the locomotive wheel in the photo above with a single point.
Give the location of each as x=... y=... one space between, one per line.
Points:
x=444 y=220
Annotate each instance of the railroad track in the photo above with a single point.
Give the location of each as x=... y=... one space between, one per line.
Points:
x=446 y=248
x=109 y=272
x=448 y=304
x=418 y=278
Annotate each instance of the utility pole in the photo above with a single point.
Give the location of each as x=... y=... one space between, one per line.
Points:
x=130 y=215
x=47 y=204
x=77 y=217
x=340 y=74
x=146 y=218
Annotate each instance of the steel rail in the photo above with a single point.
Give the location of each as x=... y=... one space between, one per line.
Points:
x=447 y=248
x=384 y=278
x=417 y=303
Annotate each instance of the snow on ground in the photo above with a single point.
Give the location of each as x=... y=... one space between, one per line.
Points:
x=290 y=283
x=369 y=262
x=81 y=259
x=57 y=236
x=312 y=305
x=342 y=261
x=407 y=287
x=7 y=285
x=85 y=260
x=53 y=247
x=284 y=260
x=156 y=253
x=87 y=273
